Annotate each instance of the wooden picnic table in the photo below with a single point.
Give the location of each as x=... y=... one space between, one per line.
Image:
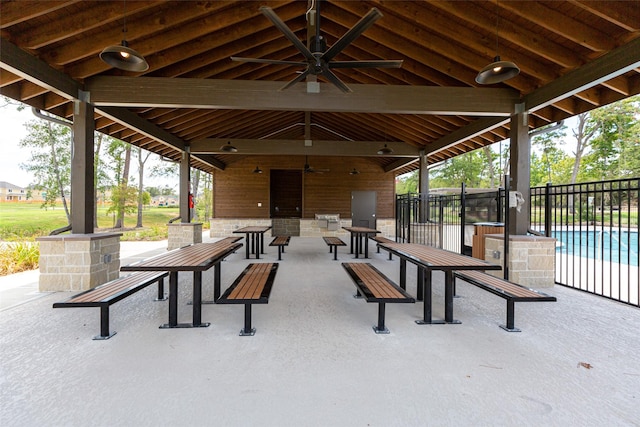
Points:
x=195 y=258
x=256 y=235
x=429 y=259
x=360 y=235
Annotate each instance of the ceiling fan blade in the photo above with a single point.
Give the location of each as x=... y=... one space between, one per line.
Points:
x=355 y=31
x=268 y=61
x=290 y=35
x=328 y=74
x=300 y=77
x=366 y=64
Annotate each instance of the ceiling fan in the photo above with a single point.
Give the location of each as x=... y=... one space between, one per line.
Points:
x=319 y=61
x=309 y=169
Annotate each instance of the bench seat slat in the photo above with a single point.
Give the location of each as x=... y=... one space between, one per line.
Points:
x=375 y=286
x=280 y=241
x=105 y=294
x=252 y=286
x=509 y=289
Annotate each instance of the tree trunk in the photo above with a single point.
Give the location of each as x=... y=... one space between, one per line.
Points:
x=141 y=163
x=195 y=183
x=58 y=175
x=492 y=173
x=96 y=164
x=123 y=186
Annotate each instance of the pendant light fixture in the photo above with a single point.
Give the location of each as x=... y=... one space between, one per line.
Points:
x=228 y=148
x=122 y=56
x=354 y=172
x=257 y=170
x=498 y=71
x=385 y=150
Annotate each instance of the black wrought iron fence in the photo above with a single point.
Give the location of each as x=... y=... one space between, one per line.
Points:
x=440 y=220
x=596 y=227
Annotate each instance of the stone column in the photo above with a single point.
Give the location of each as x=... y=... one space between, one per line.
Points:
x=184 y=234
x=77 y=262
x=531 y=259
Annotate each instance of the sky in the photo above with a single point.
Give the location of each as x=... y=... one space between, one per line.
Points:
x=12 y=130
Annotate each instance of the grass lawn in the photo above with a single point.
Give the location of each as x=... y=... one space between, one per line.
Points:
x=26 y=221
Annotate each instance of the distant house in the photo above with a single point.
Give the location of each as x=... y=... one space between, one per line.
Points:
x=164 y=201
x=12 y=193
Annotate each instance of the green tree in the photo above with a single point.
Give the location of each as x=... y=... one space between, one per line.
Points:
x=407 y=183
x=466 y=169
x=614 y=148
x=119 y=153
x=50 y=161
x=142 y=159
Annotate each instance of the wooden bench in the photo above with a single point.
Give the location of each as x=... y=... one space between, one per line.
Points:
x=280 y=242
x=376 y=287
x=252 y=286
x=333 y=243
x=111 y=292
x=510 y=291
x=381 y=239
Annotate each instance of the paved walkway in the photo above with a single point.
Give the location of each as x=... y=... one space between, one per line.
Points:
x=315 y=361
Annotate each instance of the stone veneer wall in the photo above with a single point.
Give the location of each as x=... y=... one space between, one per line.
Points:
x=224 y=227
x=531 y=259
x=285 y=227
x=77 y=262
x=183 y=234
x=308 y=227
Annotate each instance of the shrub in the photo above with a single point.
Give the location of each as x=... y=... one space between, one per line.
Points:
x=17 y=257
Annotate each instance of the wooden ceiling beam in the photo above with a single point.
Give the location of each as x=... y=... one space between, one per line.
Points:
x=248 y=95
x=559 y=23
x=92 y=15
x=625 y=14
x=611 y=65
x=298 y=147
x=20 y=63
x=517 y=34
x=15 y=12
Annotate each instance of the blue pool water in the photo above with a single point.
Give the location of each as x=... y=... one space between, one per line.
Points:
x=615 y=246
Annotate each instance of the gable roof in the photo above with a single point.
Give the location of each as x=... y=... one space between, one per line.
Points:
x=574 y=56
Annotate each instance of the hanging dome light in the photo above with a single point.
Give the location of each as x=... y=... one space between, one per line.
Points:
x=354 y=172
x=124 y=58
x=496 y=72
x=385 y=150
x=228 y=148
x=257 y=170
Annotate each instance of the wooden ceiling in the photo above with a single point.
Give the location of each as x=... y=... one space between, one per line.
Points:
x=574 y=56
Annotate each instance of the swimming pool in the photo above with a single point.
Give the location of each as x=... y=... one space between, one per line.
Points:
x=615 y=246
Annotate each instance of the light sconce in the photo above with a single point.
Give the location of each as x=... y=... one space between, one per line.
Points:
x=354 y=172
x=257 y=170
x=122 y=56
x=228 y=148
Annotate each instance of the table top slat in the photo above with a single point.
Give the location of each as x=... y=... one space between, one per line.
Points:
x=430 y=257
x=197 y=257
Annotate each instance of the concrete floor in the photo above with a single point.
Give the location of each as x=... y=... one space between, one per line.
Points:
x=315 y=360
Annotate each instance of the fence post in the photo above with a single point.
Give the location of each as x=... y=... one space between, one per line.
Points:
x=507 y=189
x=463 y=214
x=547 y=210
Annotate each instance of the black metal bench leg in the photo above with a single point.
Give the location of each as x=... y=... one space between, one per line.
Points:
x=280 y=253
x=161 y=294
x=247 y=330
x=381 y=328
x=335 y=253
x=510 y=326
x=104 y=324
